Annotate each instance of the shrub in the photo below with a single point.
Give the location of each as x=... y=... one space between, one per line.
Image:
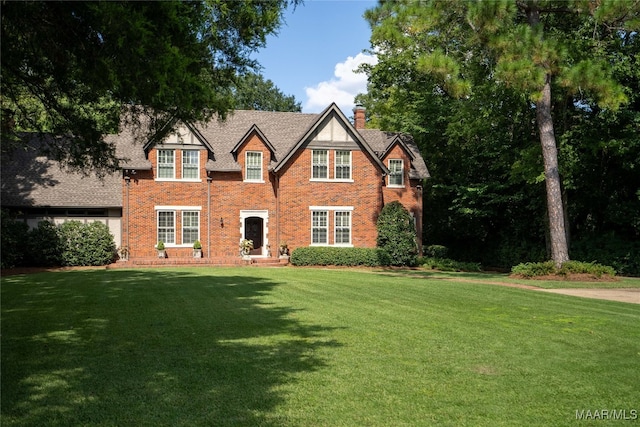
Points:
x=45 y=249
x=13 y=242
x=397 y=234
x=579 y=267
x=86 y=244
x=445 y=264
x=436 y=251
x=319 y=255
x=534 y=269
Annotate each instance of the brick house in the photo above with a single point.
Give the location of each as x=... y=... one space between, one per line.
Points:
x=270 y=177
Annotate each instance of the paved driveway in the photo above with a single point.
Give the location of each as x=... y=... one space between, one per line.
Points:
x=631 y=295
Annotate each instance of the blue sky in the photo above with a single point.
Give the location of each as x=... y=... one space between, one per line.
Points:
x=315 y=51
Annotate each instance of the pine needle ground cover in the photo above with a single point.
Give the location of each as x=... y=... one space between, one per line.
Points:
x=309 y=347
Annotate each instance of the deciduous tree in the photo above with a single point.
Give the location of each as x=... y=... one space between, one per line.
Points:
x=74 y=68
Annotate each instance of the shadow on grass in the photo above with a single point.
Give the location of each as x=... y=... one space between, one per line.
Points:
x=150 y=348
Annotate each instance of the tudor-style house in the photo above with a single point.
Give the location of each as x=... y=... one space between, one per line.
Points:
x=269 y=177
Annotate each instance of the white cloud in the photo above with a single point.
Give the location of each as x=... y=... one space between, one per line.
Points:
x=342 y=89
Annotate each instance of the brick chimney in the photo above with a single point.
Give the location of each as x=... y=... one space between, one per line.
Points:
x=359 y=117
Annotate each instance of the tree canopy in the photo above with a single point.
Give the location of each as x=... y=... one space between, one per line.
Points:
x=477 y=83
x=75 y=68
x=253 y=92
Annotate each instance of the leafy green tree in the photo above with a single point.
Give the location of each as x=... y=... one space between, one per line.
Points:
x=397 y=234
x=529 y=47
x=76 y=68
x=253 y=92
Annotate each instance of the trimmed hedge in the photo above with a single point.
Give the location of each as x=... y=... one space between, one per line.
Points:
x=351 y=257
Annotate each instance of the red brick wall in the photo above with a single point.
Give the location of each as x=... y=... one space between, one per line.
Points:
x=297 y=193
x=289 y=217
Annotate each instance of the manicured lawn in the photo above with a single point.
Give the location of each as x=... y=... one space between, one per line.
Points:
x=308 y=347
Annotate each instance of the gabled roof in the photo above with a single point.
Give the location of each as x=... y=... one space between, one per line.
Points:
x=383 y=142
x=284 y=133
x=331 y=110
x=254 y=129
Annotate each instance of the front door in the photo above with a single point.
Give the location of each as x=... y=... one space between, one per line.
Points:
x=254 y=230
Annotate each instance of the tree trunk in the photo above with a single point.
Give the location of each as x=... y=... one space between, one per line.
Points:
x=559 y=247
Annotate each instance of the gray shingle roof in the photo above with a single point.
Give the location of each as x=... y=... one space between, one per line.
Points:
x=29 y=179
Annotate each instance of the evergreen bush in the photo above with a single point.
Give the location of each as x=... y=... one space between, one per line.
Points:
x=86 y=244
x=44 y=246
x=397 y=234
x=14 y=240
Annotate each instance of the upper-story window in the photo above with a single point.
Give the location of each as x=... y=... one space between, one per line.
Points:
x=320 y=164
x=396 y=173
x=166 y=164
x=190 y=164
x=343 y=165
x=253 y=166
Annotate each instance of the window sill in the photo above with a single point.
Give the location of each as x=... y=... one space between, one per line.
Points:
x=177 y=180
x=253 y=181
x=396 y=186
x=331 y=180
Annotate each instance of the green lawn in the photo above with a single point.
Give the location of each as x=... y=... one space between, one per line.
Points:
x=308 y=347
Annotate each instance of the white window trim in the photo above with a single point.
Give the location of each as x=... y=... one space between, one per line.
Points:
x=335 y=167
x=167 y=244
x=326 y=228
x=175 y=210
x=390 y=185
x=335 y=229
x=333 y=209
x=246 y=156
x=158 y=178
x=328 y=165
x=190 y=244
x=197 y=165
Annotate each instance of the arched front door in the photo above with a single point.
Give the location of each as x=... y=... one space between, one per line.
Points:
x=254 y=230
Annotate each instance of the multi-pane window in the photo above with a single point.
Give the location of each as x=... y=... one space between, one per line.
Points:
x=320 y=164
x=343 y=165
x=253 y=166
x=167 y=227
x=166 y=164
x=190 y=226
x=190 y=164
x=319 y=228
x=342 y=228
x=396 y=173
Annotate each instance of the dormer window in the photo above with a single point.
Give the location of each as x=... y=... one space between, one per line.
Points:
x=253 y=166
x=190 y=164
x=343 y=165
x=320 y=164
x=166 y=164
x=396 y=173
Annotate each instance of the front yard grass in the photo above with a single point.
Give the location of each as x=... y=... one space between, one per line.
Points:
x=308 y=347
